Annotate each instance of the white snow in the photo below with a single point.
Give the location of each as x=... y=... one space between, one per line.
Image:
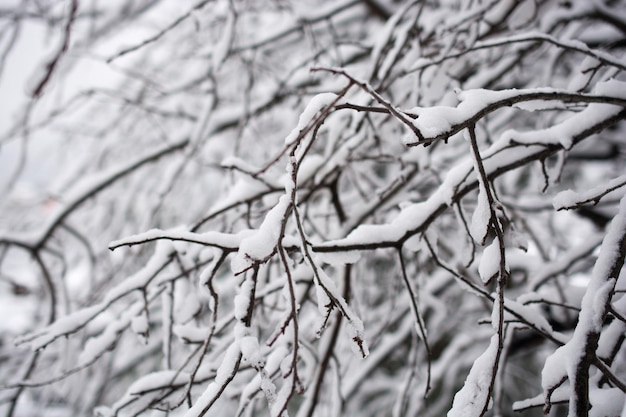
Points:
x=191 y=332
x=410 y=217
x=566 y=359
x=433 y=121
x=245 y=189
x=96 y=346
x=481 y=218
x=154 y=380
x=563 y=133
x=323 y=301
x=355 y=325
x=438 y=121
x=227 y=367
x=262 y=381
x=606 y=402
x=455 y=176
x=139 y=324
x=243 y=299
x=317 y=104
x=471 y=399
x=260 y=245
x=339 y=258
x=489 y=265
x=600 y=301
x=249 y=346
x=281 y=399
x=216 y=239
x=569 y=199
x=500 y=154
x=309 y=166
x=530 y=313
x=537 y=105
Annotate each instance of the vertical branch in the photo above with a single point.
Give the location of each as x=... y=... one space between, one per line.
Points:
x=50 y=66
x=293 y=302
x=499 y=385
x=419 y=321
x=502 y=273
x=168 y=324
x=51 y=287
x=32 y=360
x=328 y=352
x=232 y=359
x=290 y=188
x=208 y=282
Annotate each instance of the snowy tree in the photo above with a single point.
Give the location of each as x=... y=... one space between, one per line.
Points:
x=274 y=207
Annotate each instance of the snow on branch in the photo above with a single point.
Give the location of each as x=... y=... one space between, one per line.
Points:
x=575 y=358
x=568 y=199
x=505 y=155
x=442 y=122
x=474 y=398
x=261 y=244
x=227 y=241
x=371 y=268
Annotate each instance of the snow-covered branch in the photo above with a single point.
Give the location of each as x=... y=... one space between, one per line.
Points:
x=301 y=253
